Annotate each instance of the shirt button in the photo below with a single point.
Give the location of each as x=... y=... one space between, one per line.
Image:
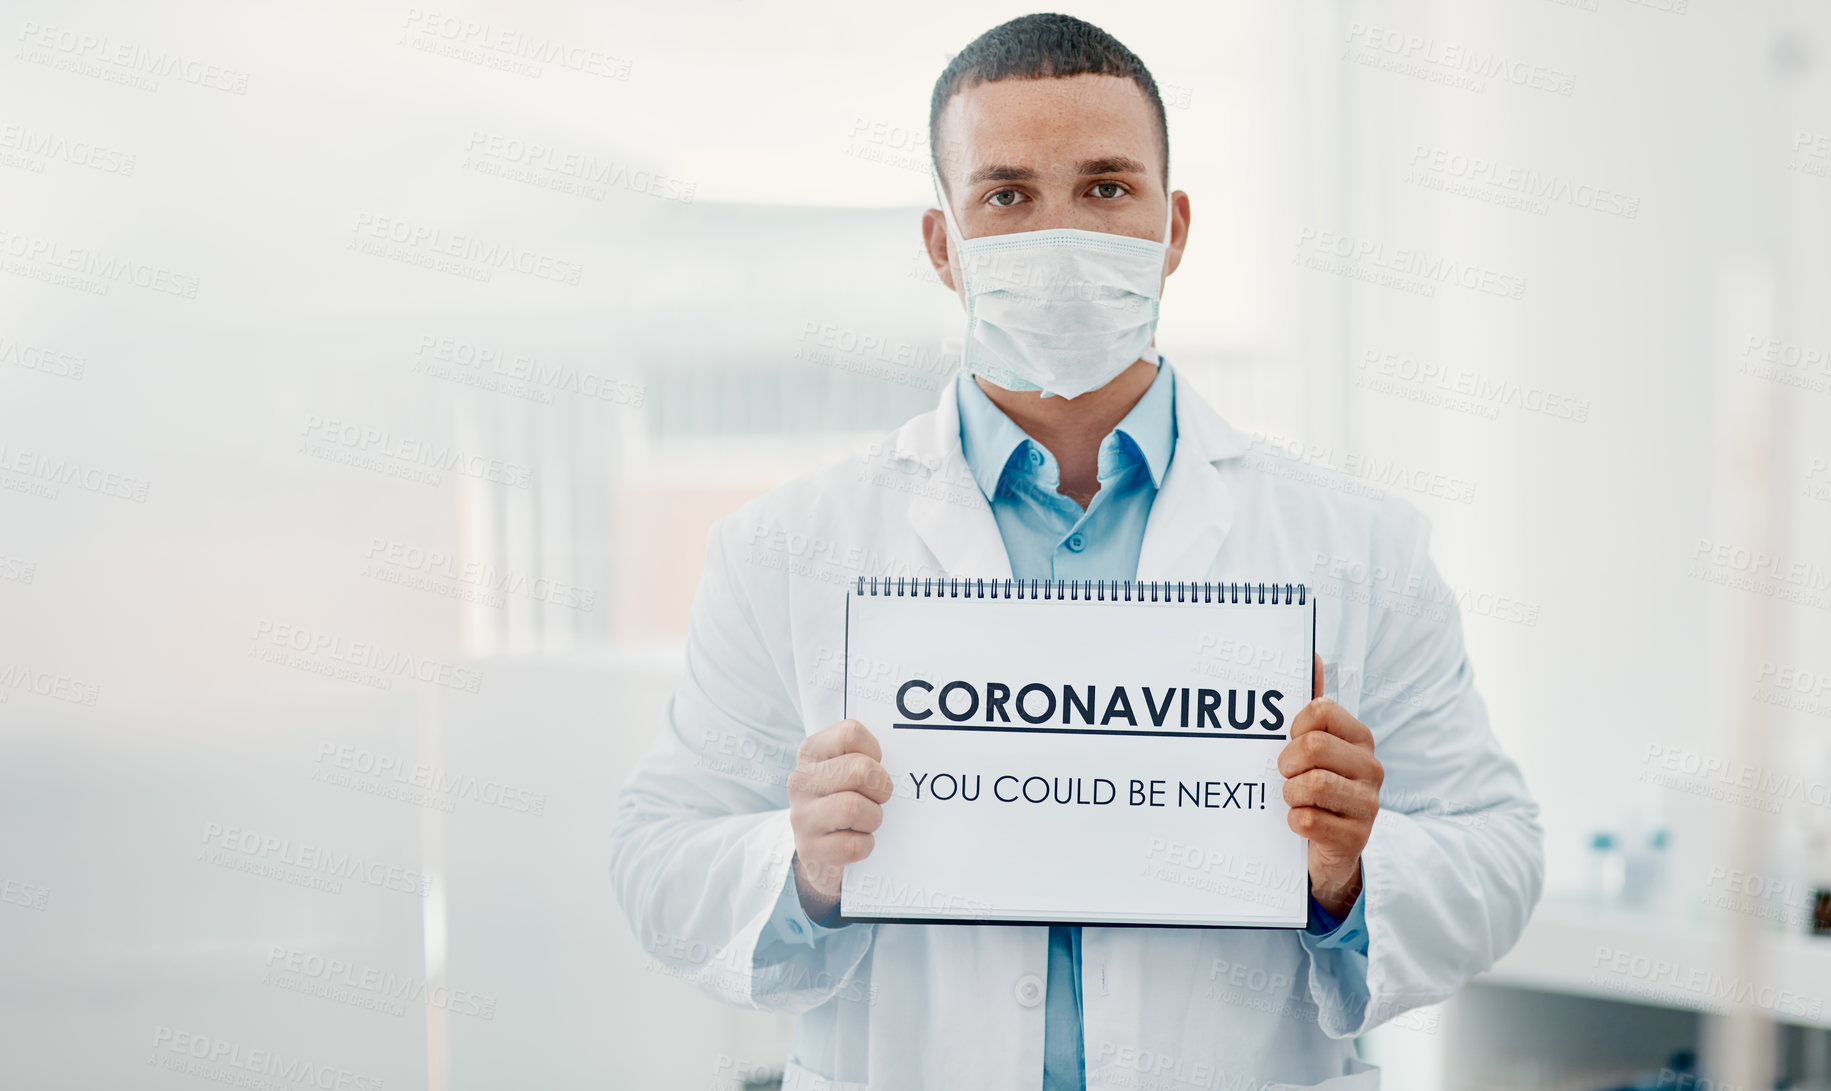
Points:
x=1036 y=457
x=794 y=926
x=1029 y=990
x=1076 y=543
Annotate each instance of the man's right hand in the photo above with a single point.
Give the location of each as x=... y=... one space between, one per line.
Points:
x=835 y=800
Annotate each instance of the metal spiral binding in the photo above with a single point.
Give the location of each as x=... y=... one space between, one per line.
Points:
x=954 y=587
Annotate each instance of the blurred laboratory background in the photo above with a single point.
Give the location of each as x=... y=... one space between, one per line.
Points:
x=370 y=376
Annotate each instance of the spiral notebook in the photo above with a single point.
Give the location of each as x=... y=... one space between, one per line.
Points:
x=1090 y=752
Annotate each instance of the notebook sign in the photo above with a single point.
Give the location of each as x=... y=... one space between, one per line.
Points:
x=1044 y=736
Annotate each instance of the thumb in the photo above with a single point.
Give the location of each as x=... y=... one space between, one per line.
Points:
x=1315 y=676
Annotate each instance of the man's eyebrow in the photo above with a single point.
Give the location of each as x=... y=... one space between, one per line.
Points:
x=1111 y=164
x=1000 y=174
x=1106 y=164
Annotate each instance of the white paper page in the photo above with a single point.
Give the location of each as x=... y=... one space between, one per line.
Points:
x=1180 y=821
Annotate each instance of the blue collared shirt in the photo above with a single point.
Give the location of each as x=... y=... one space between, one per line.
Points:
x=1049 y=536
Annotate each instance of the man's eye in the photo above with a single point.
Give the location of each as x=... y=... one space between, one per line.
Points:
x=1101 y=189
x=998 y=198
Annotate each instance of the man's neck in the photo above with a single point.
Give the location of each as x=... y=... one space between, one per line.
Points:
x=1072 y=428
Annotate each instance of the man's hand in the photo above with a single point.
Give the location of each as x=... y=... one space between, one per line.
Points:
x=1333 y=787
x=835 y=799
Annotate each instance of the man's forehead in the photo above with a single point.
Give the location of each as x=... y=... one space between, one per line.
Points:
x=1050 y=128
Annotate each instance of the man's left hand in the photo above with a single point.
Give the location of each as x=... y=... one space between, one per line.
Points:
x=1332 y=783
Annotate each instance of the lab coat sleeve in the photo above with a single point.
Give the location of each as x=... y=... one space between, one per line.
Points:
x=1455 y=861
x=701 y=846
x=1349 y=933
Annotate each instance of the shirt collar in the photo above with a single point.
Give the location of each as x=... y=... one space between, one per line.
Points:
x=989 y=439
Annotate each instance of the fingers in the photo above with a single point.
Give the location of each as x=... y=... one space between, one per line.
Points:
x=1322 y=714
x=1328 y=829
x=1333 y=793
x=842 y=811
x=1323 y=750
x=844 y=737
x=846 y=773
x=845 y=847
x=836 y=796
x=821 y=860
x=1315 y=676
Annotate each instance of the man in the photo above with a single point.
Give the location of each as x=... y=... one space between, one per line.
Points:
x=1067 y=449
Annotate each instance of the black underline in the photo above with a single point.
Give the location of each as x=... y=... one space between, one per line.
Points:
x=1078 y=731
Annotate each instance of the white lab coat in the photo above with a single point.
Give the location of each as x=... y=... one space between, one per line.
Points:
x=702 y=846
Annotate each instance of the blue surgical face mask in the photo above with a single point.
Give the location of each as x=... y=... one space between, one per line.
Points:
x=1063 y=311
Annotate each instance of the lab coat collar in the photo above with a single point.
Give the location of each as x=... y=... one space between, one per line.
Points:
x=1193 y=511
x=1190 y=516
x=951 y=515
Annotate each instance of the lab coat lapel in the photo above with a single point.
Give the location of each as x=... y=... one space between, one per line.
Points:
x=949 y=513
x=1193 y=511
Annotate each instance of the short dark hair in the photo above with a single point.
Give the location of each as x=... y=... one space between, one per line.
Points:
x=1043 y=46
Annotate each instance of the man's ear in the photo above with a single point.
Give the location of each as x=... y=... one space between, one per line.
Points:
x=934 y=240
x=1179 y=232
